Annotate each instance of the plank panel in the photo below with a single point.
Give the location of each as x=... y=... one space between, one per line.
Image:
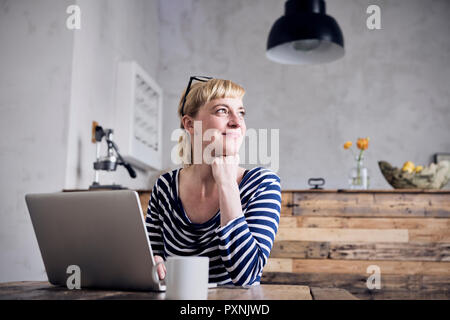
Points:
x=278 y=265
x=371 y=204
x=420 y=251
x=300 y=249
x=366 y=223
x=286 y=200
x=348 y=235
x=288 y=222
x=394 y=191
x=430 y=235
x=331 y=294
x=356 y=283
x=360 y=266
x=395 y=251
x=402 y=295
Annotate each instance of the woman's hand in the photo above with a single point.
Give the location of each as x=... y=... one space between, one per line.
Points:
x=161 y=269
x=225 y=169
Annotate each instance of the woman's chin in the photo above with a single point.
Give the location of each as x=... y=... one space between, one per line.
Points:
x=231 y=149
x=224 y=153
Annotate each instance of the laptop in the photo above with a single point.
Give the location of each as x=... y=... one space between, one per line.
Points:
x=101 y=232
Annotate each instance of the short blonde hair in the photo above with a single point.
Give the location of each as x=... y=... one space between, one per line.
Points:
x=199 y=94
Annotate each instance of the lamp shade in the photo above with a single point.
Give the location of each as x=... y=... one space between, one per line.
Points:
x=305 y=35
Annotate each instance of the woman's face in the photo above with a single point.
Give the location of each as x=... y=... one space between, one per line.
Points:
x=222 y=127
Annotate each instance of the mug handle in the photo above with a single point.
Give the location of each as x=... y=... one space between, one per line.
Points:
x=155 y=271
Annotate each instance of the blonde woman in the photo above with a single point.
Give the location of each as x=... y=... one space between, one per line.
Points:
x=214 y=207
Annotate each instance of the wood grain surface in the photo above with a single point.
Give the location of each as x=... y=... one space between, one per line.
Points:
x=329 y=238
x=43 y=290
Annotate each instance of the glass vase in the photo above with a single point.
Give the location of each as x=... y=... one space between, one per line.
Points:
x=359 y=176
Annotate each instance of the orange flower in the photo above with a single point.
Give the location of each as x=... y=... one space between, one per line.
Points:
x=347 y=145
x=363 y=143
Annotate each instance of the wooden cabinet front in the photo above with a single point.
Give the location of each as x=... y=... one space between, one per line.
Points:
x=329 y=238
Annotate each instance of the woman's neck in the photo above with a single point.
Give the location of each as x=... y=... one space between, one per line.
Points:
x=201 y=176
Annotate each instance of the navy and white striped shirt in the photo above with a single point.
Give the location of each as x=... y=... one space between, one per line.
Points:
x=237 y=251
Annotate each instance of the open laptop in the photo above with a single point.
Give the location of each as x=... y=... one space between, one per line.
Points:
x=101 y=232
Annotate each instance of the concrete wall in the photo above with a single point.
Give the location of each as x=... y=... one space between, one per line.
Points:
x=112 y=31
x=35 y=64
x=392 y=84
x=54 y=82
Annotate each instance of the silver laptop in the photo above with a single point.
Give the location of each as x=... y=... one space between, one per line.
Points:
x=101 y=232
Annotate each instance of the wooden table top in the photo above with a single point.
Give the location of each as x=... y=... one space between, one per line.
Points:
x=43 y=290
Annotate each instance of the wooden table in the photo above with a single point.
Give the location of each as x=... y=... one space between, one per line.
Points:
x=42 y=290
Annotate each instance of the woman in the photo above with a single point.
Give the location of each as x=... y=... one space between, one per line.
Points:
x=215 y=208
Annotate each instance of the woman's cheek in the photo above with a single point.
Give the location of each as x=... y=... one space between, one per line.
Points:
x=216 y=145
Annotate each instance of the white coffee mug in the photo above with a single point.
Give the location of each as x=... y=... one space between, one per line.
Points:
x=186 y=277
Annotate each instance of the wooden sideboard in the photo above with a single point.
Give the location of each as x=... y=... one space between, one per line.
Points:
x=328 y=239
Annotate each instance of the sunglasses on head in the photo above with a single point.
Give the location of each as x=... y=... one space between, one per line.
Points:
x=198 y=78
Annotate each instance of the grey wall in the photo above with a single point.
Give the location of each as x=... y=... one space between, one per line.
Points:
x=35 y=64
x=112 y=31
x=392 y=84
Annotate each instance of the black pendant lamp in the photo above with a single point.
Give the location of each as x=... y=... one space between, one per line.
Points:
x=305 y=35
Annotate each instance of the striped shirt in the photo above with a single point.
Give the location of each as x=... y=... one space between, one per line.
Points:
x=237 y=251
